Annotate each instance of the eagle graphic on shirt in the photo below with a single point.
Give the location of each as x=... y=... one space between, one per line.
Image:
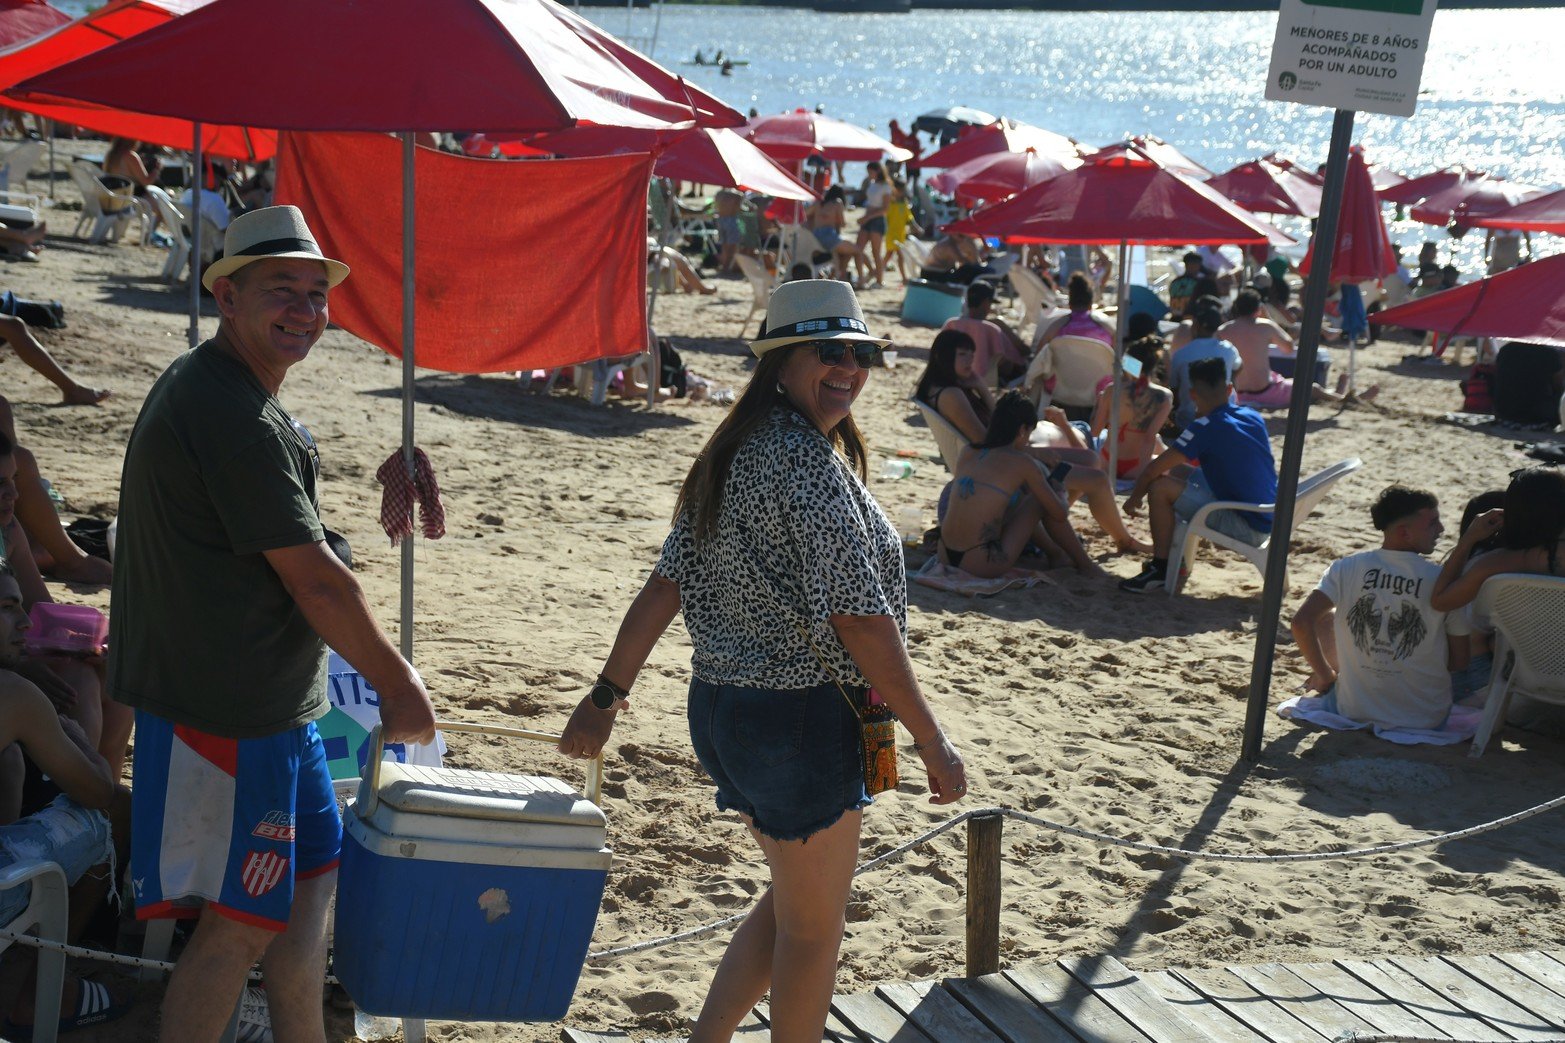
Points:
x=1404 y=627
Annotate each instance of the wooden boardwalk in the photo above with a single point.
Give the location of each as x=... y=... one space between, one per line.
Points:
x=1512 y=996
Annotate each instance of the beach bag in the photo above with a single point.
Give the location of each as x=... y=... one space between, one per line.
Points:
x=877 y=729
x=1478 y=390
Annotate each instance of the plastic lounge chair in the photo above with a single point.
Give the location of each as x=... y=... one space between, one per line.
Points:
x=1312 y=490
x=177 y=225
x=16 y=164
x=947 y=437
x=1077 y=364
x=800 y=245
x=46 y=910
x=1034 y=294
x=916 y=251
x=1526 y=612
x=761 y=284
x=109 y=212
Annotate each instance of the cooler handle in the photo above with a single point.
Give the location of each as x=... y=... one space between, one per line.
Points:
x=371 y=787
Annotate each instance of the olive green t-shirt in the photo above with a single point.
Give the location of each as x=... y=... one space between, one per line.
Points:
x=204 y=634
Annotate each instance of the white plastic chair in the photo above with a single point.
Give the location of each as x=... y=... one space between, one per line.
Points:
x=110 y=214
x=761 y=285
x=916 y=252
x=16 y=164
x=46 y=910
x=799 y=244
x=947 y=437
x=1033 y=293
x=1077 y=364
x=1526 y=612
x=1311 y=491
x=177 y=224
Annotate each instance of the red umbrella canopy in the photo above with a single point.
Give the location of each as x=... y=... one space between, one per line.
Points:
x=1000 y=174
x=1411 y=190
x=1169 y=156
x=1472 y=198
x=799 y=134
x=1524 y=303
x=1364 y=250
x=115 y=21
x=24 y=19
x=385 y=65
x=1539 y=214
x=1119 y=194
x=708 y=156
x=1268 y=188
x=1005 y=135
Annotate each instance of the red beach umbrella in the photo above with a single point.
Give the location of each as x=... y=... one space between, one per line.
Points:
x=1385 y=178
x=1523 y=303
x=1411 y=190
x=1004 y=135
x=1363 y=251
x=1544 y=213
x=1000 y=174
x=1269 y=188
x=115 y=21
x=24 y=19
x=796 y=135
x=1169 y=156
x=1471 y=199
x=706 y=155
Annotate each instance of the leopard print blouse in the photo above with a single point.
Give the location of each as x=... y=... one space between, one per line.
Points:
x=799 y=539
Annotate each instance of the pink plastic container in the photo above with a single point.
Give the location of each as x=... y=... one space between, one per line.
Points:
x=71 y=629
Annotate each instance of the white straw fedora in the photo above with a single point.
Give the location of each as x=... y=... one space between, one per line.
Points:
x=812 y=309
x=272 y=231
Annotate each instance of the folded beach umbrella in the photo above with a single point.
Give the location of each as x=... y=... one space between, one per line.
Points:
x=115 y=21
x=1523 y=303
x=1472 y=198
x=1000 y=174
x=386 y=65
x=1363 y=250
x=1544 y=213
x=1264 y=187
x=22 y=20
x=796 y=135
x=1004 y=135
x=705 y=155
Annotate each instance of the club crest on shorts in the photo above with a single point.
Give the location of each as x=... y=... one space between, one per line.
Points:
x=263 y=869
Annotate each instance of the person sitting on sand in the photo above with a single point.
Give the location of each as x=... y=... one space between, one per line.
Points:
x=53 y=550
x=1531 y=533
x=1374 y=641
x=1001 y=500
x=20 y=339
x=1255 y=384
x=956 y=259
x=1471 y=657
x=684 y=273
x=727 y=204
x=1235 y=464
x=1206 y=317
x=1143 y=410
x=1001 y=356
x=827 y=219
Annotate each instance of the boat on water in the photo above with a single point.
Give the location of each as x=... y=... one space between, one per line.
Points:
x=862 y=6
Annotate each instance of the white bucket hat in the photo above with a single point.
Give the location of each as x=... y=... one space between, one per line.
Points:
x=272 y=231
x=812 y=309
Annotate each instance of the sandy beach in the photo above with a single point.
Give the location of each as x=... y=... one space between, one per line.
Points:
x=1105 y=710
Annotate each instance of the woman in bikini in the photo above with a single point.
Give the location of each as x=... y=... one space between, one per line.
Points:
x=1143 y=410
x=951 y=387
x=1001 y=501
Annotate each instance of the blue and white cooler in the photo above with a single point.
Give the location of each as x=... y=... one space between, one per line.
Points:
x=468 y=895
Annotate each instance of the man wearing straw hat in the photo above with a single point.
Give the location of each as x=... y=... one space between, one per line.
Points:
x=225 y=596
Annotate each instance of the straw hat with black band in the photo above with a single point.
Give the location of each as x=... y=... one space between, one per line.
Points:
x=272 y=231
x=809 y=310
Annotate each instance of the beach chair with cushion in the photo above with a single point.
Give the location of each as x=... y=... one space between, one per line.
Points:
x=109 y=212
x=1077 y=364
x=16 y=164
x=1527 y=613
x=1187 y=534
x=47 y=910
x=947 y=437
x=761 y=285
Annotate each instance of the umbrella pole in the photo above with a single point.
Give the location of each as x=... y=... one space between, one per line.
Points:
x=654 y=361
x=1325 y=252
x=194 y=332
x=408 y=269
x=51 y=175
x=1121 y=327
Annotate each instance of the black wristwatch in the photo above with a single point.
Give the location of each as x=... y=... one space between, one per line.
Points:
x=606 y=693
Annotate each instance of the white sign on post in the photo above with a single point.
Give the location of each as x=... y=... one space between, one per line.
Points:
x=1363 y=55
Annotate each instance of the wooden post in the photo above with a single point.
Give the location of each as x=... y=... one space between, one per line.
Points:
x=983 y=894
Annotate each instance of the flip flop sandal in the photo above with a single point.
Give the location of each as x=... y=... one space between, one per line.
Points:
x=94 y=1006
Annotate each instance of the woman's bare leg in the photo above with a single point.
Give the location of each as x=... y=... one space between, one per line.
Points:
x=56 y=552
x=1093 y=483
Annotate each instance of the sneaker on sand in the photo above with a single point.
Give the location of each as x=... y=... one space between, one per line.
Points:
x=1150 y=579
x=255 y=1018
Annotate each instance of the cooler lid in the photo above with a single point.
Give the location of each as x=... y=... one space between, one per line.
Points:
x=490 y=795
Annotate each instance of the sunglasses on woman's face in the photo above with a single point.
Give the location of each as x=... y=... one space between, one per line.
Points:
x=832 y=352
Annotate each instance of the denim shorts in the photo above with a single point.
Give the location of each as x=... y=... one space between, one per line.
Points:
x=64 y=832
x=877 y=225
x=790 y=760
x=1198 y=494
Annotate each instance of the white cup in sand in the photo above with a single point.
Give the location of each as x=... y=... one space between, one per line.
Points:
x=890 y=358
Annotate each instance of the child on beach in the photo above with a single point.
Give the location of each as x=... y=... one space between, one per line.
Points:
x=899 y=224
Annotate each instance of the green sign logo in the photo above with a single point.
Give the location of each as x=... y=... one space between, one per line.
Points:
x=1287 y=81
x=1410 y=7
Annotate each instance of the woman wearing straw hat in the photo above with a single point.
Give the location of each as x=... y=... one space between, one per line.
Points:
x=791 y=582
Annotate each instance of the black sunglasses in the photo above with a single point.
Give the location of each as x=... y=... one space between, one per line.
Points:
x=832 y=352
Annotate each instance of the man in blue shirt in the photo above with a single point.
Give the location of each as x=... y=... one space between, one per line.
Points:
x=1206 y=316
x=1235 y=463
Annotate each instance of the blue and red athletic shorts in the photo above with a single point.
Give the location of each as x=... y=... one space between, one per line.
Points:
x=233 y=821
